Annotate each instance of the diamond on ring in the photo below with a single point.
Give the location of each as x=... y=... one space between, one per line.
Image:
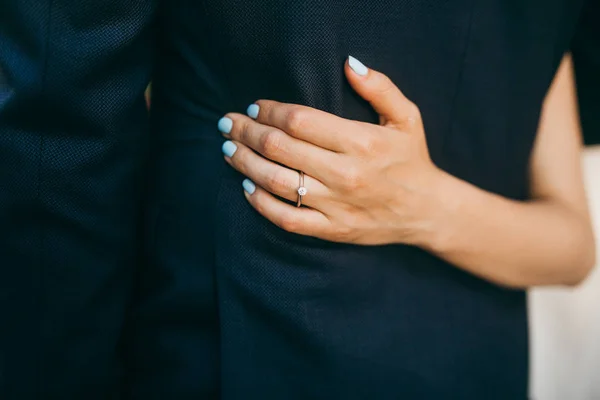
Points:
x=301 y=189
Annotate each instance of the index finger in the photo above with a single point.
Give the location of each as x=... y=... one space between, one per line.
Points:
x=305 y=123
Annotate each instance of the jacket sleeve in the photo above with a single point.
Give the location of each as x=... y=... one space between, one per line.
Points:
x=72 y=131
x=586 y=56
x=173 y=341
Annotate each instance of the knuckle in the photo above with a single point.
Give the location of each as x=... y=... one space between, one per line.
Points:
x=413 y=113
x=296 y=118
x=270 y=143
x=343 y=233
x=289 y=222
x=242 y=131
x=386 y=85
x=353 y=179
x=276 y=183
x=369 y=144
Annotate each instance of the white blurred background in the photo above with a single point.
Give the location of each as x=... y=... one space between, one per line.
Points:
x=565 y=323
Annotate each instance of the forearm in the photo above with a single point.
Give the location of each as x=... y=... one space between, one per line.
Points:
x=511 y=243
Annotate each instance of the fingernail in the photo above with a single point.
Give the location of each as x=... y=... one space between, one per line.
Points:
x=249 y=186
x=253 y=110
x=225 y=124
x=229 y=148
x=357 y=66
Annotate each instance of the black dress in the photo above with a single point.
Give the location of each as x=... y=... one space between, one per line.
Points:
x=292 y=317
x=224 y=304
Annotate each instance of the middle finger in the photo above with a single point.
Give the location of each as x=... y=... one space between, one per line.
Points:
x=280 y=147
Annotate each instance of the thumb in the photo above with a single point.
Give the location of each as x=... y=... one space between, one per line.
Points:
x=385 y=97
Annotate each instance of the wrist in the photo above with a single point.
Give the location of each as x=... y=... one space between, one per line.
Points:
x=438 y=203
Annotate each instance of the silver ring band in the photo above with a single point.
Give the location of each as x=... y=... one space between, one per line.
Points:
x=301 y=189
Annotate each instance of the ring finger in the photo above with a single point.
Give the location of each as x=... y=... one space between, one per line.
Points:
x=277 y=179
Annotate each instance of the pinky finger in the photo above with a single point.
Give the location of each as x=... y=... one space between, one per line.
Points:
x=300 y=220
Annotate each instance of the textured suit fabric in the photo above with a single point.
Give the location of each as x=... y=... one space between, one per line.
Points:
x=274 y=315
x=224 y=304
x=73 y=128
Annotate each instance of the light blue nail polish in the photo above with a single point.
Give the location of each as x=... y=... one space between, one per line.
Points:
x=253 y=110
x=229 y=148
x=357 y=66
x=249 y=186
x=225 y=124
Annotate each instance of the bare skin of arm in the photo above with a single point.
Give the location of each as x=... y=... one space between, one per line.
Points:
x=545 y=241
x=374 y=184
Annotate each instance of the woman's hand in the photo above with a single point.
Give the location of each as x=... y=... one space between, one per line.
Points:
x=376 y=184
x=366 y=184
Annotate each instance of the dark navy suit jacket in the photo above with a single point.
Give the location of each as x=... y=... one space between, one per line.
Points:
x=132 y=267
